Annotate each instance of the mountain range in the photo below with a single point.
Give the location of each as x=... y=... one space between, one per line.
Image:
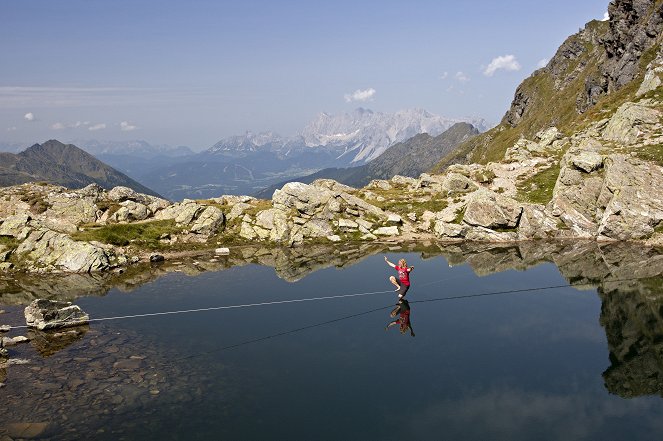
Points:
x=408 y=158
x=249 y=163
x=63 y=164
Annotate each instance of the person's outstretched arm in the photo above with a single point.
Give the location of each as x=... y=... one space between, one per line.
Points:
x=389 y=263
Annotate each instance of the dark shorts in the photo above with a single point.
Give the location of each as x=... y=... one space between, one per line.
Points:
x=403 y=290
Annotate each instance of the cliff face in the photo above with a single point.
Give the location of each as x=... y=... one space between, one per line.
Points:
x=592 y=73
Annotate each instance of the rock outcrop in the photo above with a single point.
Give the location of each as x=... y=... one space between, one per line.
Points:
x=50 y=314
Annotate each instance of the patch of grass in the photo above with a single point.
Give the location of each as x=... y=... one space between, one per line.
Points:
x=459 y=216
x=36 y=201
x=8 y=242
x=653 y=153
x=258 y=206
x=538 y=189
x=107 y=205
x=144 y=234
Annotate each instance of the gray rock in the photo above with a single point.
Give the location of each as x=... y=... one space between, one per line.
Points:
x=332 y=185
x=50 y=314
x=347 y=225
x=209 y=221
x=222 y=251
x=631 y=122
x=14 y=225
x=404 y=180
x=587 y=161
x=334 y=238
x=448 y=230
x=13 y=341
x=481 y=234
x=491 y=210
x=131 y=211
x=386 y=231
x=395 y=219
x=5 y=328
x=276 y=222
x=379 y=184
x=305 y=198
x=455 y=183
x=157 y=258
x=238 y=210
x=57 y=250
x=535 y=223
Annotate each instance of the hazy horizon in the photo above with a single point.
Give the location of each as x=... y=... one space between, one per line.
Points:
x=191 y=74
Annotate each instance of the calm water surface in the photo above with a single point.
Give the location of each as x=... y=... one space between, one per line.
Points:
x=513 y=366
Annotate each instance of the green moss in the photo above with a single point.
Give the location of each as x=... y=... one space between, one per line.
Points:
x=538 y=189
x=145 y=234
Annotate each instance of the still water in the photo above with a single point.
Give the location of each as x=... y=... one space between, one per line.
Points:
x=573 y=362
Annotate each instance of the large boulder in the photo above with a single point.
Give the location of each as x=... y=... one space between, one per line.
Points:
x=16 y=226
x=60 y=252
x=131 y=211
x=51 y=314
x=276 y=221
x=535 y=223
x=491 y=210
x=209 y=221
x=631 y=122
x=633 y=199
x=306 y=199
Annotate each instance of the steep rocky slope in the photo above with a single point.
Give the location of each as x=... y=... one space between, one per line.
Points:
x=590 y=76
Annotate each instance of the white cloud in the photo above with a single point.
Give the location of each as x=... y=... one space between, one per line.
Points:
x=606 y=16
x=503 y=62
x=11 y=129
x=543 y=62
x=29 y=116
x=460 y=76
x=97 y=127
x=444 y=76
x=125 y=126
x=75 y=125
x=360 y=95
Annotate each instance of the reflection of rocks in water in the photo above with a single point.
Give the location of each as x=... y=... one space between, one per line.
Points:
x=47 y=343
x=633 y=324
x=92 y=388
x=584 y=263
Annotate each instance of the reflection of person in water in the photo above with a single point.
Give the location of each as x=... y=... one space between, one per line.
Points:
x=403 y=276
x=403 y=311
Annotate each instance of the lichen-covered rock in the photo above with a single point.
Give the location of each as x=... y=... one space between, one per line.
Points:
x=587 y=161
x=455 y=183
x=131 y=211
x=634 y=198
x=15 y=226
x=448 y=230
x=346 y=225
x=276 y=222
x=535 y=223
x=307 y=199
x=51 y=314
x=491 y=210
x=209 y=221
x=631 y=122
x=238 y=210
x=48 y=248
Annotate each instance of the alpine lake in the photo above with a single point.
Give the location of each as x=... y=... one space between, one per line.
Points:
x=536 y=340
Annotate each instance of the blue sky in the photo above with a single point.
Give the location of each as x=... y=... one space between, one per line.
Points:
x=190 y=73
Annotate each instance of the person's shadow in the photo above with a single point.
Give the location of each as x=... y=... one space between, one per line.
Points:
x=404 y=320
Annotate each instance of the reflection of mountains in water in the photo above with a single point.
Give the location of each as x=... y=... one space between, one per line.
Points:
x=628 y=279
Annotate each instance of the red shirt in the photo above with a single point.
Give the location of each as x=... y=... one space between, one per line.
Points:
x=403 y=275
